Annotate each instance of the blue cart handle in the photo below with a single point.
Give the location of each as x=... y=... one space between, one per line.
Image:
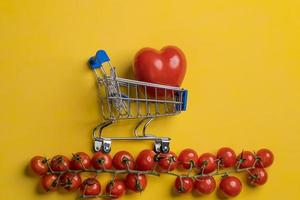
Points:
x=97 y=60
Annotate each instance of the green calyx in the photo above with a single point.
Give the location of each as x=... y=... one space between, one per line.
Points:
x=157 y=158
x=171 y=159
x=54 y=183
x=44 y=161
x=181 y=188
x=100 y=161
x=138 y=185
x=76 y=157
x=225 y=175
x=60 y=159
x=192 y=164
x=204 y=163
x=125 y=160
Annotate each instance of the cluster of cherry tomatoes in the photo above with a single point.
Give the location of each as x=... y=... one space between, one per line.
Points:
x=60 y=171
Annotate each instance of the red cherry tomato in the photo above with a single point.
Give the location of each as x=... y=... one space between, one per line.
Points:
x=265 y=158
x=166 y=66
x=80 y=160
x=207 y=163
x=187 y=158
x=167 y=161
x=145 y=160
x=230 y=186
x=90 y=186
x=183 y=184
x=227 y=157
x=257 y=176
x=49 y=182
x=247 y=159
x=205 y=185
x=123 y=160
x=60 y=163
x=101 y=161
x=116 y=188
x=70 y=181
x=39 y=165
x=135 y=182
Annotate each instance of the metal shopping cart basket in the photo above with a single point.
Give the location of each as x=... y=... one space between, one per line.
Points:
x=122 y=98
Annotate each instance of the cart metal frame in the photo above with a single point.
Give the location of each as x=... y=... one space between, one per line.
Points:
x=123 y=99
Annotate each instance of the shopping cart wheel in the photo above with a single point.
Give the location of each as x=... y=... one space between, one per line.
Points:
x=102 y=145
x=165 y=147
x=97 y=145
x=106 y=146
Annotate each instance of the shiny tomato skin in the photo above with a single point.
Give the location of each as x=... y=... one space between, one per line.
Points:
x=60 y=163
x=70 y=181
x=168 y=161
x=257 y=176
x=230 y=186
x=207 y=162
x=136 y=182
x=116 y=188
x=247 y=159
x=205 y=185
x=227 y=157
x=265 y=158
x=80 y=161
x=185 y=158
x=101 y=161
x=39 y=165
x=145 y=160
x=166 y=66
x=49 y=182
x=119 y=160
x=183 y=184
x=90 y=186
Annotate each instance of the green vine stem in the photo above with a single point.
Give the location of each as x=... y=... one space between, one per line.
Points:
x=154 y=172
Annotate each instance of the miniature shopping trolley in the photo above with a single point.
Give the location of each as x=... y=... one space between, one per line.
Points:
x=123 y=99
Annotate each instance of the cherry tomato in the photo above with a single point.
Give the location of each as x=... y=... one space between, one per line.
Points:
x=205 y=185
x=145 y=160
x=166 y=66
x=49 y=182
x=227 y=157
x=101 y=161
x=187 y=158
x=116 y=188
x=70 y=181
x=39 y=165
x=60 y=163
x=123 y=160
x=246 y=158
x=265 y=158
x=257 y=176
x=167 y=161
x=90 y=186
x=80 y=160
x=183 y=184
x=207 y=163
x=135 y=182
x=230 y=186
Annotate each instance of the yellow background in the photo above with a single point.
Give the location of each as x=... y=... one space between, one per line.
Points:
x=243 y=79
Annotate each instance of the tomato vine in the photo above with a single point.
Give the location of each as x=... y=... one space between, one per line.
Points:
x=199 y=171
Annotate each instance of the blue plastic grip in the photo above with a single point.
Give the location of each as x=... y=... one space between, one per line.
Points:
x=183 y=105
x=184 y=100
x=94 y=64
x=102 y=57
x=97 y=60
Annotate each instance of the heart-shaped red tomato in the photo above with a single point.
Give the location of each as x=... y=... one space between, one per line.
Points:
x=166 y=66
